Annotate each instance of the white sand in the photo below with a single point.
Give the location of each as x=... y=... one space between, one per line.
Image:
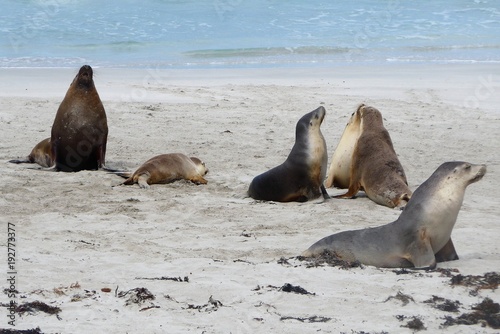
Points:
x=76 y=228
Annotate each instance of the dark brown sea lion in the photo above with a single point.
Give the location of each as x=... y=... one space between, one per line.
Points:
x=80 y=129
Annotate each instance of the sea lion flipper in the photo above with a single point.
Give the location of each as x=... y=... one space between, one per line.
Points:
x=421 y=253
x=353 y=190
x=447 y=253
x=198 y=180
x=324 y=192
x=142 y=180
x=25 y=161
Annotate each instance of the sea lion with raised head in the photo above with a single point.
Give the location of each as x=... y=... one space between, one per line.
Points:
x=167 y=168
x=375 y=167
x=340 y=166
x=421 y=236
x=300 y=177
x=80 y=129
x=41 y=154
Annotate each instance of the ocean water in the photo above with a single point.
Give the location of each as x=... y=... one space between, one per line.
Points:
x=237 y=33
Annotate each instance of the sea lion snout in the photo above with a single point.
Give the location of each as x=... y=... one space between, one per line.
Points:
x=479 y=174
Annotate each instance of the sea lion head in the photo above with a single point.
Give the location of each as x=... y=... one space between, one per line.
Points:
x=310 y=121
x=370 y=115
x=200 y=166
x=460 y=173
x=84 y=78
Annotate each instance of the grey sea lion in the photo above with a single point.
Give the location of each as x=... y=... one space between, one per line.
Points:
x=41 y=154
x=167 y=168
x=80 y=130
x=374 y=167
x=300 y=177
x=421 y=236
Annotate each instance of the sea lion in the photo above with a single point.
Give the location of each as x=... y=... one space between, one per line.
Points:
x=340 y=166
x=421 y=236
x=80 y=129
x=167 y=168
x=41 y=154
x=300 y=177
x=375 y=167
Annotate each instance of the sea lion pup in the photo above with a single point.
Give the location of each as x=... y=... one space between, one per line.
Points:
x=375 y=167
x=167 y=168
x=300 y=177
x=41 y=154
x=420 y=237
x=80 y=129
x=340 y=166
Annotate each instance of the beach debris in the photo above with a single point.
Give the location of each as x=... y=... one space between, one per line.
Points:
x=489 y=280
x=311 y=319
x=62 y=290
x=405 y=299
x=32 y=307
x=211 y=305
x=486 y=313
x=415 y=323
x=329 y=258
x=21 y=331
x=444 y=304
x=86 y=294
x=165 y=278
x=287 y=287
x=106 y=290
x=136 y=296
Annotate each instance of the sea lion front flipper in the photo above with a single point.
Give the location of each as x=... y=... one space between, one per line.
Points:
x=447 y=253
x=421 y=253
x=142 y=180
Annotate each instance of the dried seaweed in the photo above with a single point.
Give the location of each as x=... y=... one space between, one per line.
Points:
x=311 y=319
x=21 y=331
x=486 y=313
x=329 y=258
x=32 y=307
x=287 y=287
x=405 y=299
x=211 y=305
x=165 y=278
x=136 y=296
x=415 y=323
x=444 y=304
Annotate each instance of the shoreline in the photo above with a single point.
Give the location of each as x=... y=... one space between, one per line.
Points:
x=468 y=85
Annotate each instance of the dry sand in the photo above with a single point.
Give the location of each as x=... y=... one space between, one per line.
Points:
x=77 y=233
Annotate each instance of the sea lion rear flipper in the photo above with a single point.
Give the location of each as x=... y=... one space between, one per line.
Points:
x=447 y=253
x=353 y=190
x=324 y=192
x=25 y=161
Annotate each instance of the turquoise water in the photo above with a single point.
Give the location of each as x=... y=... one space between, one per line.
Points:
x=237 y=33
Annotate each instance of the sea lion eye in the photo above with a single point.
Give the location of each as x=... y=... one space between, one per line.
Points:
x=467 y=167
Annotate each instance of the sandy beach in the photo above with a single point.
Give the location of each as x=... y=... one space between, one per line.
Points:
x=182 y=258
